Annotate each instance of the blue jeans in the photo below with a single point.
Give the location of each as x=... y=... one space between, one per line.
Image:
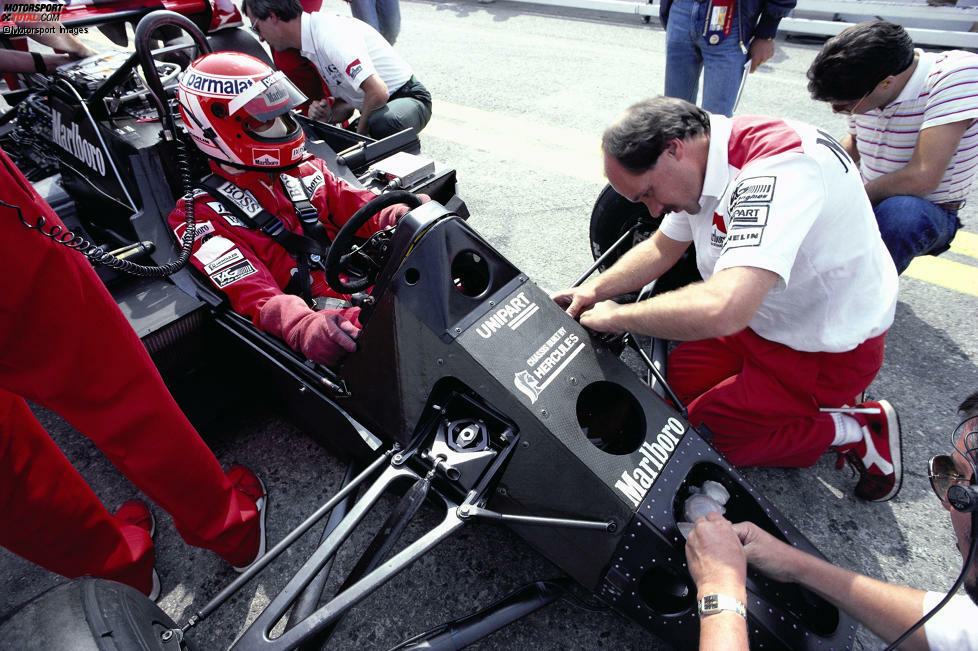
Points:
x=912 y=226
x=688 y=53
x=382 y=15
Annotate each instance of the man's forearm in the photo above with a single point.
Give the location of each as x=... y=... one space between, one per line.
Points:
x=904 y=181
x=370 y=104
x=642 y=264
x=888 y=610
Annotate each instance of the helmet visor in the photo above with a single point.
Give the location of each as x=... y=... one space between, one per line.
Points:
x=267 y=98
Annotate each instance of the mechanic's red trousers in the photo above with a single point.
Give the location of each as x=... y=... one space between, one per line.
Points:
x=761 y=399
x=65 y=345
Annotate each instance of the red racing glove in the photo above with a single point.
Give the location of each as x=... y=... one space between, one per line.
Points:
x=324 y=336
x=389 y=216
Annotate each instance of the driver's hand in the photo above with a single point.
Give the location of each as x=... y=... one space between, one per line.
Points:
x=324 y=337
x=389 y=216
x=575 y=300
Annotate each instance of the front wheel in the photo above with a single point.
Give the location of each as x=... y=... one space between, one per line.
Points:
x=90 y=613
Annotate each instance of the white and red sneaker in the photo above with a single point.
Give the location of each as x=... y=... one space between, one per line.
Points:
x=136 y=513
x=878 y=458
x=248 y=483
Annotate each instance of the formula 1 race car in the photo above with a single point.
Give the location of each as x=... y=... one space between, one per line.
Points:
x=496 y=404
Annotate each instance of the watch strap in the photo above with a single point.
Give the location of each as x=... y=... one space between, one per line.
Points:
x=712 y=604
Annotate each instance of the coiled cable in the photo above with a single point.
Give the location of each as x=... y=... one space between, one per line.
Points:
x=98 y=255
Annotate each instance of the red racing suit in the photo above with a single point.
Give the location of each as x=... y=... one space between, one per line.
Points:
x=93 y=370
x=249 y=266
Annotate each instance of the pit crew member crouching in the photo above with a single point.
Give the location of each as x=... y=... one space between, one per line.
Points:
x=269 y=207
x=799 y=292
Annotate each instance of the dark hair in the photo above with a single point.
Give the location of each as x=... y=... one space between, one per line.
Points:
x=851 y=64
x=639 y=137
x=262 y=9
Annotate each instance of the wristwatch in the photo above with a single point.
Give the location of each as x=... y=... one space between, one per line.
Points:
x=712 y=604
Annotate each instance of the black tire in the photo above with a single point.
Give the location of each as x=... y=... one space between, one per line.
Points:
x=611 y=217
x=89 y=614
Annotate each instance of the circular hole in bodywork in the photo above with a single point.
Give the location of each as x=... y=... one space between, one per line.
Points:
x=666 y=590
x=412 y=276
x=470 y=273
x=611 y=417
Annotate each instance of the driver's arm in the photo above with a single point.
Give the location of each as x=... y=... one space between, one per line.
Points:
x=336 y=200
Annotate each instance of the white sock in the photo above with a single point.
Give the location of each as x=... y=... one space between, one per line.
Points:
x=847 y=430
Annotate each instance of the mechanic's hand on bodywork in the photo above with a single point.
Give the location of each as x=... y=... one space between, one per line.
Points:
x=323 y=337
x=575 y=300
x=766 y=553
x=321 y=110
x=716 y=557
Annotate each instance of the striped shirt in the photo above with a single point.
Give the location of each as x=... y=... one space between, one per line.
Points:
x=942 y=89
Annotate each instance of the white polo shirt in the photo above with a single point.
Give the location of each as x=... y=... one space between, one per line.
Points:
x=942 y=89
x=346 y=51
x=783 y=196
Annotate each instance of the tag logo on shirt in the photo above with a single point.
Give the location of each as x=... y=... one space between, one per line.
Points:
x=233 y=274
x=757 y=189
x=354 y=68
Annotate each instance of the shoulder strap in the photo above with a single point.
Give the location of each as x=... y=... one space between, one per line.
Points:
x=241 y=203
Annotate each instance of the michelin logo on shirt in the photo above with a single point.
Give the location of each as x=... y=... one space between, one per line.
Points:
x=750 y=203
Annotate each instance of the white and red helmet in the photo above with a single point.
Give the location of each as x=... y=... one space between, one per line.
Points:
x=225 y=96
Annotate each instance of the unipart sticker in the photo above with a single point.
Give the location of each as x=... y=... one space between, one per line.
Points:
x=513 y=314
x=233 y=274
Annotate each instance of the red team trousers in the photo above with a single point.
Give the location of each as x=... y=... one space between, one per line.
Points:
x=761 y=399
x=65 y=345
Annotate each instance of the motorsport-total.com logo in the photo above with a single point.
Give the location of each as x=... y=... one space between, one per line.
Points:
x=32 y=18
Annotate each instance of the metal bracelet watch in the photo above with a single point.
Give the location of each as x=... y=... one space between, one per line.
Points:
x=712 y=604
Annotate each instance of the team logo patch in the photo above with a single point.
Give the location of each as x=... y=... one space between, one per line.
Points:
x=222 y=211
x=265 y=157
x=354 y=68
x=740 y=237
x=212 y=249
x=757 y=189
x=233 y=274
x=241 y=198
x=313 y=182
x=719 y=234
x=234 y=255
x=201 y=230
x=215 y=85
x=298 y=151
x=749 y=216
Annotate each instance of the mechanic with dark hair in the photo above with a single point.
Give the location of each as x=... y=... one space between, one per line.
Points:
x=799 y=290
x=912 y=129
x=269 y=209
x=361 y=70
x=92 y=369
x=717 y=38
x=718 y=553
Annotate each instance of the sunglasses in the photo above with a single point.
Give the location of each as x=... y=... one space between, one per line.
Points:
x=943 y=474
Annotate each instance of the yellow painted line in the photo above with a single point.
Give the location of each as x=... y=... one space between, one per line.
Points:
x=966 y=244
x=945 y=273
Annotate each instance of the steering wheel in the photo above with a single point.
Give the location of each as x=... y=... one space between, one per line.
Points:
x=342 y=256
